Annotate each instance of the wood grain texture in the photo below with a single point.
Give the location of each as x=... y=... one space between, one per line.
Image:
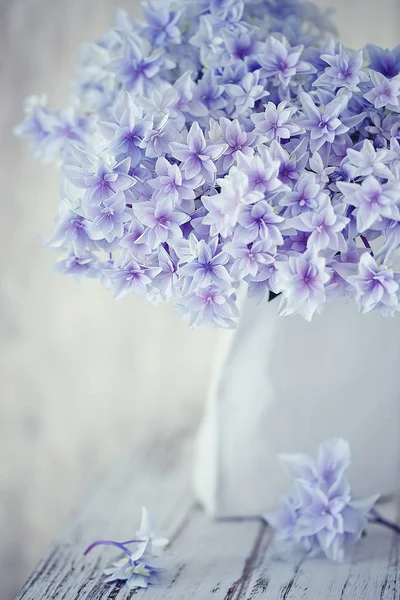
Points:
x=221 y=560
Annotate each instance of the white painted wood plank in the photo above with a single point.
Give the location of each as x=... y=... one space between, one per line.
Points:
x=371 y=572
x=222 y=560
x=156 y=477
x=208 y=559
x=212 y=559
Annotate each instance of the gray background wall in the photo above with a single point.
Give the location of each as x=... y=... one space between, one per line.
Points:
x=82 y=376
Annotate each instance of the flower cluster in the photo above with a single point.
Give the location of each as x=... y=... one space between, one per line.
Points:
x=322 y=516
x=220 y=143
x=139 y=567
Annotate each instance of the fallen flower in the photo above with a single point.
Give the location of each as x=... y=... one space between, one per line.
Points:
x=322 y=515
x=141 y=566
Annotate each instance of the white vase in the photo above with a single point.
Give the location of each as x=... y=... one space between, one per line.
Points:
x=284 y=385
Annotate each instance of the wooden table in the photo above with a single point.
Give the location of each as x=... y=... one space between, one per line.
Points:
x=220 y=560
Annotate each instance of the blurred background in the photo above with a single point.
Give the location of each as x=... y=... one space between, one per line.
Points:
x=82 y=376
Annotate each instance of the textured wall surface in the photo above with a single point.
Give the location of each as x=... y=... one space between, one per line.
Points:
x=81 y=376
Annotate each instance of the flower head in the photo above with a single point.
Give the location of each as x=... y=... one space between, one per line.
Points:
x=385 y=92
x=282 y=61
x=142 y=566
x=344 y=70
x=198 y=157
x=322 y=515
x=276 y=123
x=218 y=144
x=375 y=285
x=301 y=280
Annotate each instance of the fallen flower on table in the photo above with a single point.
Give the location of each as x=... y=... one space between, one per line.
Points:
x=143 y=565
x=322 y=515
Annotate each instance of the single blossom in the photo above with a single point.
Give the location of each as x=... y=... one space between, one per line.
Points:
x=79 y=267
x=344 y=70
x=108 y=218
x=162 y=221
x=301 y=280
x=72 y=229
x=240 y=44
x=373 y=200
x=250 y=259
x=171 y=182
x=212 y=305
x=375 y=285
x=208 y=267
x=246 y=93
x=369 y=161
x=141 y=566
x=131 y=277
x=126 y=131
x=100 y=181
x=385 y=92
x=260 y=221
x=384 y=61
x=305 y=196
x=134 y=69
x=162 y=24
x=324 y=123
x=282 y=61
x=262 y=171
x=276 y=123
x=239 y=142
x=325 y=225
x=198 y=157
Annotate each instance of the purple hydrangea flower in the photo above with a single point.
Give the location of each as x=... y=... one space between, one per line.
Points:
x=141 y=566
x=162 y=219
x=375 y=285
x=384 y=61
x=325 y=226
x=324 y=123
x=373 y=200
x=260 y=221
x=72 y=230
x=240 y=44
x=322 y=515
x=238 y=141
x=131 y=277
x=126 y=133
x=369 y=161
x=246 y=93
x=162 y=24
x=283 y=62
x=208 y=267
x=249 y=258
x=262 y=171
x=344 y=70
x=209 y=44
x=385 y=92
x=79 y=267
x=198 y=157
x=108 y=218
x=135 y=70
x=301 y=280
x=306 y=195
x=276 y=123
x=171 y=182
x=212 y=305
x=100 y=181
x=234 y=126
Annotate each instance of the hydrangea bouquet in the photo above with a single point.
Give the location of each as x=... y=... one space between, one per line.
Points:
x=222 y=141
